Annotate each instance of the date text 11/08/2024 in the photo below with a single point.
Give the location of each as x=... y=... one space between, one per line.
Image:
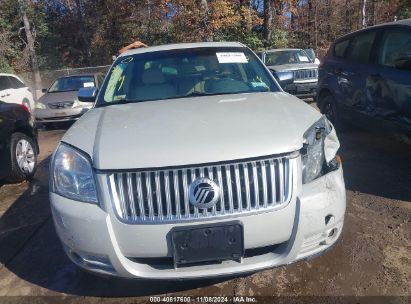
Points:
x=203 y=299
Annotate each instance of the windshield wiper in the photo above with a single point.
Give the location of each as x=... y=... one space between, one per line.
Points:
x=196 y=93
x=118 y=102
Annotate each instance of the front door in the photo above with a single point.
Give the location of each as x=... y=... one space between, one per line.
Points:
x=390 y=86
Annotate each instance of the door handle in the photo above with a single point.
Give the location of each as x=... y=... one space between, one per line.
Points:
x=341 y=72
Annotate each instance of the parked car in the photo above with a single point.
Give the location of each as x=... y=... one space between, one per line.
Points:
x=294 y=70
x=13 y=90
x=365 y=78
x=60 y=103
x=18 y=143
x=312 y=55
x=194 y=163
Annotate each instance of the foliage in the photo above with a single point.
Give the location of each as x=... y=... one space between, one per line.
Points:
x=76 y=33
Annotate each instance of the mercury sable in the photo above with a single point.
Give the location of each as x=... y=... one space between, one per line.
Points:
x=194 y=163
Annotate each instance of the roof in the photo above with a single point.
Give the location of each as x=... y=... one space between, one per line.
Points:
x=7 y=74
x=281 y=50
x=78 y=75
x=404 y=22
x=176 y=46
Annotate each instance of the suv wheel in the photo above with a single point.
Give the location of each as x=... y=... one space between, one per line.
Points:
x=23 y=157
x=329 y=109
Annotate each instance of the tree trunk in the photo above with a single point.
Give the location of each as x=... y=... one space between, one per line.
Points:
x=363 y=13
x=268 y=19
x=205 y=12
x=83 y=32
x=32 y=51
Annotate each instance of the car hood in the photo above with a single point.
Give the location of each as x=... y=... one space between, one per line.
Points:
x=192 y=130
x=293 y=67
x=58 y=97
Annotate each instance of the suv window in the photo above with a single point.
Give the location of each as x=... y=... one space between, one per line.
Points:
x=360 y=47
x=17 y=84
x=395 y=44
x=340 y=48
x=4 y=83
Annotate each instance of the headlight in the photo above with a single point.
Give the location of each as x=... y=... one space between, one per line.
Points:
x=40 y=105
x=72 y=175
x=320 y=148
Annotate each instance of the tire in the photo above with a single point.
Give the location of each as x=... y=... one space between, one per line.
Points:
x=329 y=109
x=23 y=158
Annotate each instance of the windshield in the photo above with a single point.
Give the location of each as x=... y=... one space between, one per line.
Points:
x=73 y=83
x=286 y=57
x=183 y=73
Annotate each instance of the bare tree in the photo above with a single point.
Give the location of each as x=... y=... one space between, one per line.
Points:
x=364 y=13
x=268 y=19
x=30 y=36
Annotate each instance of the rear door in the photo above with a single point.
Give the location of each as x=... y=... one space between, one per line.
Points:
x=390 y=87
x=6 y=91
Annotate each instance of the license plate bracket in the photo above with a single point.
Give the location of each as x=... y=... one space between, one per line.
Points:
x=207 y=243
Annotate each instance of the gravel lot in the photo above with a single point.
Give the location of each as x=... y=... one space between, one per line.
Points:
x=372 y=258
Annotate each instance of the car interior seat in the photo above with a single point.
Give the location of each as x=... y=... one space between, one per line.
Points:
x=154 y=86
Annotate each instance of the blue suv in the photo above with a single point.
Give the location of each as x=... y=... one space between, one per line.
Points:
x=365 y=79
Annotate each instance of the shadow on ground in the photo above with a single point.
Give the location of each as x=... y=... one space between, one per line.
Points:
x=376 y=164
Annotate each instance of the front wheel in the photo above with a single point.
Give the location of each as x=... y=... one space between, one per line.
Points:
x=23 y=157
x=329 y=109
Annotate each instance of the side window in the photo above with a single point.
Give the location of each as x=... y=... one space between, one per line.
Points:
x=360 y=47
x=100 y=79
x=340 y=48
x=17 y=84
x=396 y=44
x=4 y=83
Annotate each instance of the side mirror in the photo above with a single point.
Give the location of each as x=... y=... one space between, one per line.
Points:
x=284 y=78
x=403 y=63
x=44 y=90
x=87 y=94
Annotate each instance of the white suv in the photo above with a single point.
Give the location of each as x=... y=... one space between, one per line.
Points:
x=13 y=90
x=194 y=163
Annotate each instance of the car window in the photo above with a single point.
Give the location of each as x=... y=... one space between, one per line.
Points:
x=17 y=84
x=73 y=83
x=185 y=72
x=396 y=44
x=360 y=47
x=286 y=57
x=340 y=48
x=4 y=83
x=100 y=79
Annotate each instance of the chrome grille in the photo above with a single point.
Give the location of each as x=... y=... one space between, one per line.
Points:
x=61 y=105
x=162 y=195
x=305 y=74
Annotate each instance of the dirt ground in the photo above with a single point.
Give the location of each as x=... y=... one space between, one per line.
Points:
x=372 y=258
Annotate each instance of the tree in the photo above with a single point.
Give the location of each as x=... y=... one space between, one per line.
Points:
x=30 y=36
x=268 y=19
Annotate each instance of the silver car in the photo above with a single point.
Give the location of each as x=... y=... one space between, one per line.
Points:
x=194 y=163
x=295 y=71
x=60 y=102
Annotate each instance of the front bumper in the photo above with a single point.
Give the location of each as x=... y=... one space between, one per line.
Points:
x=95 y=240
x=302 y=89
x=60 y=115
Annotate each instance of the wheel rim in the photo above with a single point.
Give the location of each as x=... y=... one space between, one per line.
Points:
x=25 y=156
